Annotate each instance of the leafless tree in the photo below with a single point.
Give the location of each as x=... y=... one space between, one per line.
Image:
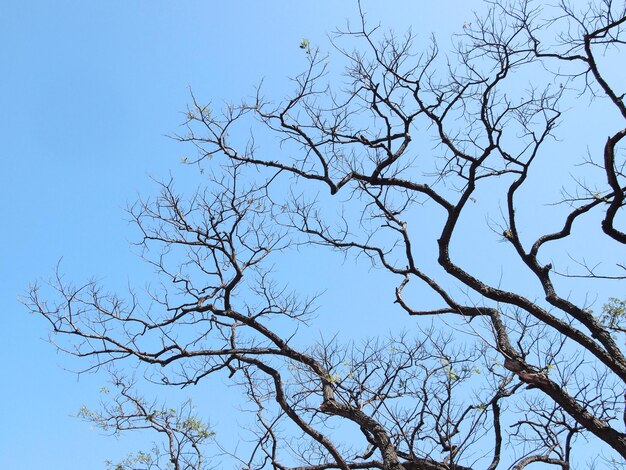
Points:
x=123 y=410
x=433 y=153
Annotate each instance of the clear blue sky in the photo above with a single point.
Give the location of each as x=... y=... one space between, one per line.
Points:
x=89 y=90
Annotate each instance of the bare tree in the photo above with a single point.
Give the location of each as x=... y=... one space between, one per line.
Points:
x=514 y=368
x=123 y=410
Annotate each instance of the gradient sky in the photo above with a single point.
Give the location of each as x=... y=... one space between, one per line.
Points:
x=89 y=91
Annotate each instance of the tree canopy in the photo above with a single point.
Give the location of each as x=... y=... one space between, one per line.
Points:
x=486 y=181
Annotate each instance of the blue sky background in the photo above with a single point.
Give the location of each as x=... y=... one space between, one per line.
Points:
x=89 y=91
